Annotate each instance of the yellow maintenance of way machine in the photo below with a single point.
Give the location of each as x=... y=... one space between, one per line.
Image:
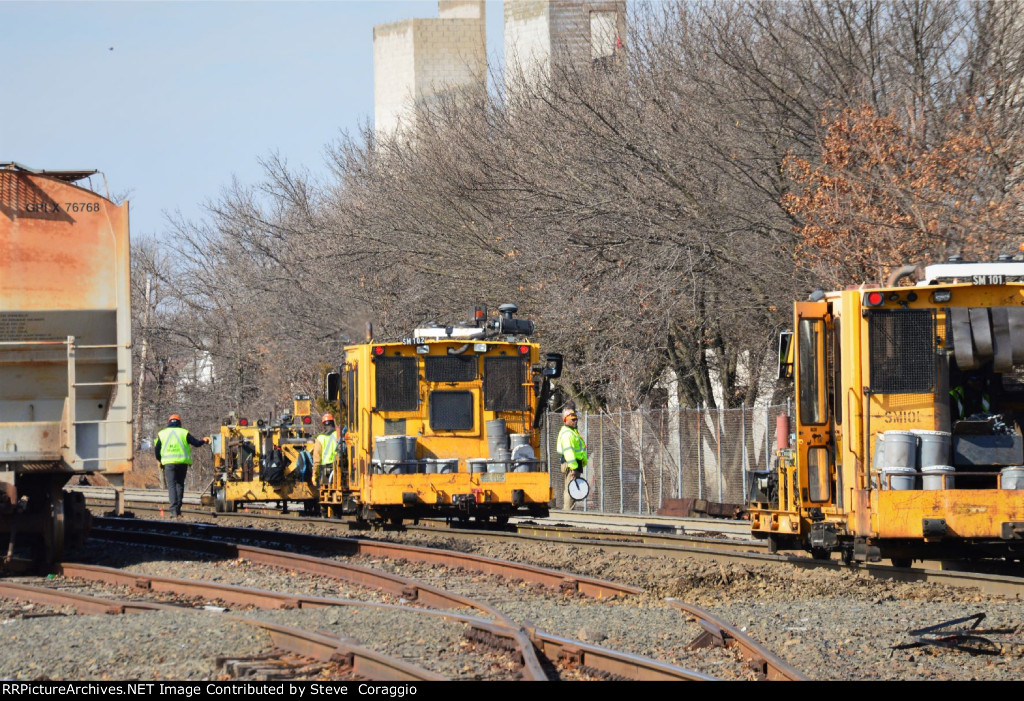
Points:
x=444 y=423
x=268 y=462
x=908 y=405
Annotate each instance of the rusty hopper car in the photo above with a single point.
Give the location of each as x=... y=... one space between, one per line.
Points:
x=65 y=355
x=443 y=424
x=909 y=401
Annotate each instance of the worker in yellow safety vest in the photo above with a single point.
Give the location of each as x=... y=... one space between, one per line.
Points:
x=324 y=451
x=173 y=450
x=969 y=400
x=572 y=452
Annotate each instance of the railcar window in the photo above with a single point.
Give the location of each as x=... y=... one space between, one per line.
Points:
x=818 y=483
x=451 y=411
x=809 y=349
x=397 y=383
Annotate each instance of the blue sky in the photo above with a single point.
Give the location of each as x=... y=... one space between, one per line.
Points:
x=172 y=99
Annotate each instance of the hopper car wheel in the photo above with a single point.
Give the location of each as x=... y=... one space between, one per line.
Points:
x=52 y=535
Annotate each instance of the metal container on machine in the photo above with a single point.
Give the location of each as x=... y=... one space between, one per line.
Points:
x=410 y=447
x=523 y=458
x=390 y=448
x=900 y=449
x=477 y=465
x=934 y=448
x=430 y=466
x=937 y=477
x=447 y=466
x=898 y=478
x=1012 y=477
x=497 y=437
x=500 y=461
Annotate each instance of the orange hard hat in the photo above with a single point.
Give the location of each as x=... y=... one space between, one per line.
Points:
x=174 y=417
x=327 y=417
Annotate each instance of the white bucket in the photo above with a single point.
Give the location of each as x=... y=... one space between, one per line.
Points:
x=937 y=477
x=477 y=465
x=447 y=466
x=1012 y=477
x=898 y=478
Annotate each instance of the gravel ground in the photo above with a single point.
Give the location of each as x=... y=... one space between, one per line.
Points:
x=831 y=624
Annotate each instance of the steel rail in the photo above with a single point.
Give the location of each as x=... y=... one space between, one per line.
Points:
x=363 y=662
x=610 y=663
x=600 y=661
x=588 y=586
x=404 y=587
x=762 y=660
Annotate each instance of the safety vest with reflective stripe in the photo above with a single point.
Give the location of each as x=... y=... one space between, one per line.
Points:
x=174 y=447
x=958 y=396
x=571 y=448
x=328 y=446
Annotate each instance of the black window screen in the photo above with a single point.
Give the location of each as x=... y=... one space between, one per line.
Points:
x=902 y=346
x=450 y=368
x=451 y=411
x=396 y=384
x=503 y=384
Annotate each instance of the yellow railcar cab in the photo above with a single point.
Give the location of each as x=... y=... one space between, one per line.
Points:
x=906 y=440
x=443 y=423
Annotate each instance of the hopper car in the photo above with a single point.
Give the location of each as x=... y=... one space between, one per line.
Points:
x=443 y=423
x=65 y=355
x=906 y=440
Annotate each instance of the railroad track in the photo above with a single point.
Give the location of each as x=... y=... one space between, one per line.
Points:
x=296 y=651
x=236 y=543
x=698 y=547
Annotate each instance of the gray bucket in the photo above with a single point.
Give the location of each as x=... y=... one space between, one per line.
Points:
x=526 y=465
x=501 y=461
x=429 y=466
x=878 y=460
x=937 y=477
x=446 y=466
x=394 y=467
x=1012 y=477
x=898 y=478
x=900 y=449
x=477 y=465
x=517 y=439
x=410 y=447
x=934 y=448
x=497 y=437
x=390 y=448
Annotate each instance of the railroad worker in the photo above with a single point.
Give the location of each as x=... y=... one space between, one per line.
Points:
x=572 y=451
x=173 y=449
x=324 y=450
x=967 y=399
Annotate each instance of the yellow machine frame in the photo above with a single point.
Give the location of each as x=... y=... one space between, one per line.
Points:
x=388 y=389
x=239 y=452
x=871 y=360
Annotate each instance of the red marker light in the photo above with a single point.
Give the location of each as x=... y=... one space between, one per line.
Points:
x=873 y=299
x=307 y=420
x=523 y=350
x=378 y=350
x=243 y=422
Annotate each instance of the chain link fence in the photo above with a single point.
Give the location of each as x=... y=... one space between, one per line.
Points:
x=638 y=459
